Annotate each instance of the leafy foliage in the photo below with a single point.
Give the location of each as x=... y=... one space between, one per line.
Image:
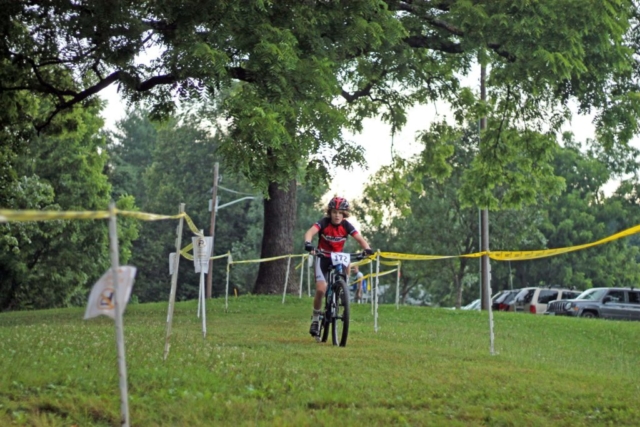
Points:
x=431 y=218
x=52 y=264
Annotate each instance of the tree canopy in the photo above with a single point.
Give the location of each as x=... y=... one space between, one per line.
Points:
x=295 y=58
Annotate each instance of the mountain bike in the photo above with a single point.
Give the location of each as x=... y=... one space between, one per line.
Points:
x=336 y=307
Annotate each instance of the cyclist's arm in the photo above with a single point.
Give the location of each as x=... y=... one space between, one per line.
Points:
x=310 y=233
x=363 y=243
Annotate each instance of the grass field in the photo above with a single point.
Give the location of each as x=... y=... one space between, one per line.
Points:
x=258 y=366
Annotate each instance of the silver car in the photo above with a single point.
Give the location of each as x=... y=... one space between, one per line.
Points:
x=608 y=303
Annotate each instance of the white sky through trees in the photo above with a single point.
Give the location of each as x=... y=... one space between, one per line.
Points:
x=375 y=138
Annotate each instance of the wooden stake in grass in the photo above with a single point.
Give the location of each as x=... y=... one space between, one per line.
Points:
x=375 y=293
x=201 y=253
x=174 y=282
x=226 y=292
x=122 y=364
x=286 y=279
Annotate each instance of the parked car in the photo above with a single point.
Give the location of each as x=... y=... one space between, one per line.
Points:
x=475 y=305
x=608 y=303
x=535 y=300
x=502 y=300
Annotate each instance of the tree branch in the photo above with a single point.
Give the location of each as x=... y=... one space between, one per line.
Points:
x=77 y=97
x=351 y=97
x=242 y=74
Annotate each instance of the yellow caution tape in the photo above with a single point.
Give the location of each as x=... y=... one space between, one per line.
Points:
x=361 y=262
x=372 y=275
x=147 y=216
x=190 y=257
x=185 y=253
x=7 y=215
x=391 y=262
x=413 y=257
x=191 y=225
x=268 y=259
x=304 y=259
x=35 y=215
x=516 y=255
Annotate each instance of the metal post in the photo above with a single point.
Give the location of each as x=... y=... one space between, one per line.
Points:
x=484 y=216
x=226 y=292
x=370 y=285
x=309 y=275
x=174 y=282
x=486 y=266
x=212 y=228
x=302 y=274
x=375 y=292
x=122 y=364
x=398 y=287
x=286 y=278
x=200 y=283
x=204 y=311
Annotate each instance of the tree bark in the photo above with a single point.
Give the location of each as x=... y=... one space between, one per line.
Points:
x=459 y=279
x=277 y=240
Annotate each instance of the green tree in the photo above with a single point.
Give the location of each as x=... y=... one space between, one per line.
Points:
x=130 y=153
x=445 y=226
x=583 y=214
x=173 y=161
x=53 y=263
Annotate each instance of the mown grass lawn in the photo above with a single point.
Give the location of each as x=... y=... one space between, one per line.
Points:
x=258 y=366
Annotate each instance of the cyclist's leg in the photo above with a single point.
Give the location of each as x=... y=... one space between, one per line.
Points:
x=321 y=289
x=322 y=272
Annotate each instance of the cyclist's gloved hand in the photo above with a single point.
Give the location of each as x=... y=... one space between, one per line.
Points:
x=368 y=252
x=308 y=246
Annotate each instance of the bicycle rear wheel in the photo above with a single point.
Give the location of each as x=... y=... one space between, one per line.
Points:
x=340 y=320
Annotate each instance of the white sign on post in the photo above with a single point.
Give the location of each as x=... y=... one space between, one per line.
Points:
x=201 y=253
x=101 y=299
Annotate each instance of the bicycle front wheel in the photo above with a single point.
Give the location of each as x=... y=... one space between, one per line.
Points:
x=340 y=320
x=324 y=328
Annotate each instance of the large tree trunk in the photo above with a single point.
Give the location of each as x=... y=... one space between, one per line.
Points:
x=458 y=280
x=277 y=240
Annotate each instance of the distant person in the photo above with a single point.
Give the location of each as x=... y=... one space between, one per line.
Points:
x=333 y=230
x=358 y=285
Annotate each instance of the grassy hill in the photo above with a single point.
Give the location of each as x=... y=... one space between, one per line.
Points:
x=258 y=366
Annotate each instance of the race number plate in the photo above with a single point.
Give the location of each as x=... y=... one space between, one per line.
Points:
x=340 y=258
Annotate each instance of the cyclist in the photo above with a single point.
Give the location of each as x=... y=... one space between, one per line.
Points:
x=333 y=230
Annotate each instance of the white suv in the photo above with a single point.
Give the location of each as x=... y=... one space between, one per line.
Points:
x=535 y=300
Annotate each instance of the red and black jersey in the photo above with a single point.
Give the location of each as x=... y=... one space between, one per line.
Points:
x=333 y=237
